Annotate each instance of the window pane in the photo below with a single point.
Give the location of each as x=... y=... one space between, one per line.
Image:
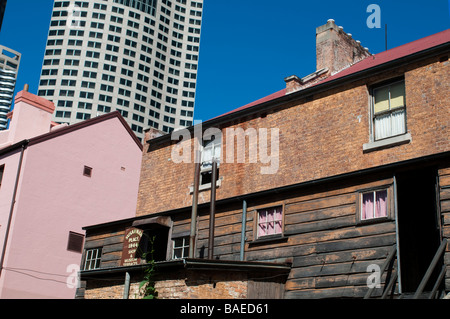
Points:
x=398 y=122
x=177 y=253
x=262 y=225
x=397 y=95
x=381 y=207
x=383 y=126
x=381 y=99
x=367 y=206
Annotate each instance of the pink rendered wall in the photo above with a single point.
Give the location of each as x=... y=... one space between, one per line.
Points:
x=11 y=162
x=31 y=117
x=55 y=198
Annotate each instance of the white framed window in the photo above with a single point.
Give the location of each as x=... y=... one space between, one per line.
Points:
x=180 y=248
x=269 y=222
x=374 y=204
x=211 y=150
x=92 y=259
x=389 y=110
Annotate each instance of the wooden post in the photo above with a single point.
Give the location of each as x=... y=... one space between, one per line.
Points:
x=194 y=211
x=212 y=210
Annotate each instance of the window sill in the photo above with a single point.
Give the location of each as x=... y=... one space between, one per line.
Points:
x=205 y=187
x=376 y=220
x=273 y=239
x=388 y=142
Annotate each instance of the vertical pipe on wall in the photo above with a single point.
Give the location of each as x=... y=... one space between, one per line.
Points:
x=194 y=210
x=13 y=202
x=212 y=210
x=397 y=236
x=126 y=289
x=244 y=222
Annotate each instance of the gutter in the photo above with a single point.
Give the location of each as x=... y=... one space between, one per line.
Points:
x=24 y=145
x=324 y=180
x=195 y=264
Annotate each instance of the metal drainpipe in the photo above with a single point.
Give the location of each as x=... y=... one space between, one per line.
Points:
x=244 y=225
x=194 y=211
x=126 y=288
x=13 y=202
x=212 y=210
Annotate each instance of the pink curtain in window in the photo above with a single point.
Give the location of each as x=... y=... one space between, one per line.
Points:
x=270 y=221
x=367 y=209
x=381 y=200
x=262 y=223
x=278 y=220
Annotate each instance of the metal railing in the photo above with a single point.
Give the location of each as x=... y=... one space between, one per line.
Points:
x=388 y=265
x=430 y=271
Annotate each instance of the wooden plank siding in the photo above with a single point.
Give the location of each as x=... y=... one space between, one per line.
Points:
x=444 y=196
x=111 y=242
x=329 y=251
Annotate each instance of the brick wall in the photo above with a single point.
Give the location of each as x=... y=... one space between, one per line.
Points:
x=177 y=285
x=318 y=137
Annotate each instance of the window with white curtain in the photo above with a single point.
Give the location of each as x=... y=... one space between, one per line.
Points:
x=211 y=151
x=389 y=110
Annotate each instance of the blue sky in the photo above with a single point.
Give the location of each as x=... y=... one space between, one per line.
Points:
x=248 y=47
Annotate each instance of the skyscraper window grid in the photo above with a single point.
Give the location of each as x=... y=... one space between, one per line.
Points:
x=137 y=57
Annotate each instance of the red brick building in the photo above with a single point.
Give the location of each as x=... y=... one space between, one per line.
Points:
x=318 y=185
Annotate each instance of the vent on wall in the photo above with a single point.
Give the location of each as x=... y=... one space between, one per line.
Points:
x=87 y=171
x=75 y=242
x=2 y=170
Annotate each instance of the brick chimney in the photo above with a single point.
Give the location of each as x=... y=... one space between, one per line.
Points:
x=31 y=117
x=335 y=49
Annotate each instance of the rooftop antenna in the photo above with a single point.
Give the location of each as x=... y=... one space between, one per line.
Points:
x=386 y=36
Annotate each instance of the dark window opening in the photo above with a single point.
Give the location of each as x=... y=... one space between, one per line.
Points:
x=419 y=236
x=155 y=238
x=75 y=242
x=206 y=177
x=87 y=171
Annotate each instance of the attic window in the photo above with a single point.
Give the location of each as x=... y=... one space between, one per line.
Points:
x=75 y=242
x=87 y=171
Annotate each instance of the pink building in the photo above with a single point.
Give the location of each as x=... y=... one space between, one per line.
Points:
x=55 y=179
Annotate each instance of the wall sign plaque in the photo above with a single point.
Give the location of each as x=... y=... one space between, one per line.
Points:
x=130 y=246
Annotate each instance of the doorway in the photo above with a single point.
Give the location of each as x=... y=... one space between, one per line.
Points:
x=418 y=227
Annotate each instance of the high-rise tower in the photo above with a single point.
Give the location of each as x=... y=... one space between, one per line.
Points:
x=139 y=57
x=9 y=67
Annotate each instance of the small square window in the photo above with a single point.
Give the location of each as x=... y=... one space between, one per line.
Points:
x=180 y=248
x=270 y=221
x=374 y=204
x=92 y=259
x=87 y=171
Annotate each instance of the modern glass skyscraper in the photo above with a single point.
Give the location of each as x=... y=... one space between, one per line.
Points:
x=139 y=57
x=9 y=67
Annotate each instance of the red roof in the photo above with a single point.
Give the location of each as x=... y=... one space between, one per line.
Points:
x=368 y=63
